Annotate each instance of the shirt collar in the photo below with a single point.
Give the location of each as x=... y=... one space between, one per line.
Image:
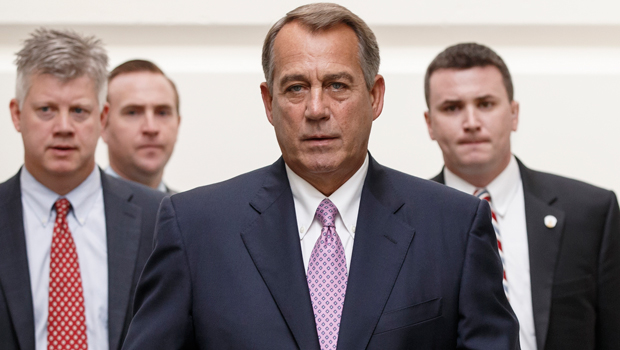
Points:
x=41 y=199
x=502 y=189
x=346 y=199
x=161 y=188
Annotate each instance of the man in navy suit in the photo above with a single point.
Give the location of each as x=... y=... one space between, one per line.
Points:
x=325 y=248
x=73 y=240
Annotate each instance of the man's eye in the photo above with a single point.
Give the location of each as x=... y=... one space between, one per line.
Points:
x=45 y=112
x=78 y=110
x=485 y=104
x=337 y=86
x=295 y=88
x=451 y=108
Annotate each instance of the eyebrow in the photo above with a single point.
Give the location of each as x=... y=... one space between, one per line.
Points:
x=484 y=97
x=452 y=101
x=143 y=106
x=329 y=77
x=292 y=77
x=339 y=76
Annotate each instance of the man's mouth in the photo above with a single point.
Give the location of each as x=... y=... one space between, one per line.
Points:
x=63 y=149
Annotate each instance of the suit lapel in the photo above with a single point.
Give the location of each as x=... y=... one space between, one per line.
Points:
x=273 y=244
x=382 y=240
x=14 y=273
x=544 y=246
x=440 y=178
x=123 y=221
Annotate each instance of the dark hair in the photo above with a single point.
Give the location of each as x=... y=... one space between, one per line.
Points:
x=323 y=16
x=465 y=56
x=134 y=66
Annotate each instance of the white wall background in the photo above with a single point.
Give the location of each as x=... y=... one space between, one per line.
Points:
x=564 y=57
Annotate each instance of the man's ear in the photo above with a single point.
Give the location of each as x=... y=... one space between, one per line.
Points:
x=267 y=101
x=105 y=113
x=103 y=119
x=15 y=114
x=427 y=119
x=377 y=94
x=514 y=111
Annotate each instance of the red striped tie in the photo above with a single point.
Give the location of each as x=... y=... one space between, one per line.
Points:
x=482 y=193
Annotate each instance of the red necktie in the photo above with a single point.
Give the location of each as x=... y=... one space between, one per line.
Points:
x=66 y=321
x=482 y=193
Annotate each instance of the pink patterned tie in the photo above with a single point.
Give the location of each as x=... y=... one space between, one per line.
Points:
x=327 y=277
x=482 y=193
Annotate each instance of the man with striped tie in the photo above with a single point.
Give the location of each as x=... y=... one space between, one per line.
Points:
x=558 y=238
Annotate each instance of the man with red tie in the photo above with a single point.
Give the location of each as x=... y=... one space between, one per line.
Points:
x=73 y=240
x=559 y=238
x=325 y=248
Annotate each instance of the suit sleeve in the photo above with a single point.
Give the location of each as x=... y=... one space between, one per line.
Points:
x=608 y=320
x=162 y=305
x=486 y=320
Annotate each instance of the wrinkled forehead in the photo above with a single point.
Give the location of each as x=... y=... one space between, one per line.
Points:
x=296 y=43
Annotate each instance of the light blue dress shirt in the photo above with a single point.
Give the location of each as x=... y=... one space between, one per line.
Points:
x=88 y=228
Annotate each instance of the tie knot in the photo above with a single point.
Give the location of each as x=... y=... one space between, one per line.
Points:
x=62 y=207
x=326 y=213
x=482 y=193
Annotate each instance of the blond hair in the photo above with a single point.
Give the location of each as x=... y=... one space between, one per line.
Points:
x=64 y=54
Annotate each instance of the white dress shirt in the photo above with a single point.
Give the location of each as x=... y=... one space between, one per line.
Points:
x=346 y=199
x=88 y=228
x=506 y=192
x=161 y=188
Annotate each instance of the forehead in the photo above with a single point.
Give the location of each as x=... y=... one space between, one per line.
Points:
x=296 y=48
x=48 y=88
x=141 y=87
x=466 y=83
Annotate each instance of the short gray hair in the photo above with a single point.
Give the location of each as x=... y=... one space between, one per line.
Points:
x=322 y=16
x=64 y=54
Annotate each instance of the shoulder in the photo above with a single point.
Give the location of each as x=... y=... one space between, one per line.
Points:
x=428 y=199
x=566 y=190
x=412 y=187
x=241 y=188
x=9 y=186
x=132 y=192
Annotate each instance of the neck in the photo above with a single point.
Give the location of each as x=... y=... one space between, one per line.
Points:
x=328 y=182
x=480 y=177
x=60 y=183
x=150 y=180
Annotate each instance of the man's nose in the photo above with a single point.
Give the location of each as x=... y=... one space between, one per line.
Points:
x=63 y=123
x=316 y=105
x=472 y=119
x=149 y=125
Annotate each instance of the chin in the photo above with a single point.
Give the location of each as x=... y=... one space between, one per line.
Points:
x=149 y=169
x=62 y=169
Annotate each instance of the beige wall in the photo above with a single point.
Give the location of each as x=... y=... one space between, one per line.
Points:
x=564 y=57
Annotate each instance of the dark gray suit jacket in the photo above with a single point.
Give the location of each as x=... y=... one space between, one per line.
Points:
x=130 y=212
x=575 y=266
